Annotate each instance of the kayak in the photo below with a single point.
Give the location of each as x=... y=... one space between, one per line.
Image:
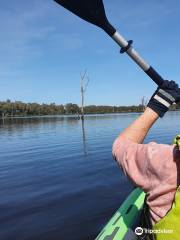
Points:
x=121 y=225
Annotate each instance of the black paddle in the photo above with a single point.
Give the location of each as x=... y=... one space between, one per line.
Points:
x=93 y=11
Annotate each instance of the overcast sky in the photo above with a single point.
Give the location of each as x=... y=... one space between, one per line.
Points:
x=44 y=48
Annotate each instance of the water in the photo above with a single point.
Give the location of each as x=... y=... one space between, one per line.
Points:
x=58 y=180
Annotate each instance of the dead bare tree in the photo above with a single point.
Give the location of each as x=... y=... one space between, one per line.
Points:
x=143 y=103
x=84 y=85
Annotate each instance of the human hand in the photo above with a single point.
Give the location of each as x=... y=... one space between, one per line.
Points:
x=165 y=95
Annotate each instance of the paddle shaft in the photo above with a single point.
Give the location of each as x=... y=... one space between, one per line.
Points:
x=126 y=47
x=93 y=11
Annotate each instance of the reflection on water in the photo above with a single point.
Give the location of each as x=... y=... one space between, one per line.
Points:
x=57 y=176
x=84 y=137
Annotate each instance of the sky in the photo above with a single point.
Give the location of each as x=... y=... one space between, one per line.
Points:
x=44 y=48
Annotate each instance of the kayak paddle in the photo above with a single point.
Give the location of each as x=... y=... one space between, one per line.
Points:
x=93 y=11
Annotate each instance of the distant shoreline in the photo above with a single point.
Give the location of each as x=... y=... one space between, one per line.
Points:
x=73 y=115
x=65 y=115
x=9 y=109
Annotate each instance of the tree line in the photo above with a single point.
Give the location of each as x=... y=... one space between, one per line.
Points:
x=17 y=108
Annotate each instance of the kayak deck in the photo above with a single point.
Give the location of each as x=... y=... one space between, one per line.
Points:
x=122 y=221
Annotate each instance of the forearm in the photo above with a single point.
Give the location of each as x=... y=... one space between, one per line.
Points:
x=138 y=130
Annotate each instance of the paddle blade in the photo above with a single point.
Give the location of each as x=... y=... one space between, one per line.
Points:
x=91 y=11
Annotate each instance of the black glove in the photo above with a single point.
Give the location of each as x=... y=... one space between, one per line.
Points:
x=165 y=95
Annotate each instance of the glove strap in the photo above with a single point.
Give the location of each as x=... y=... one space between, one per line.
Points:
x=164 y=98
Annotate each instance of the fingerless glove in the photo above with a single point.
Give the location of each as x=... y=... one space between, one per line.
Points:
x=165 y=95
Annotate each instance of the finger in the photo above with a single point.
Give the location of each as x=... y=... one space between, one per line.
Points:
x=173 y=85
x=178 y=98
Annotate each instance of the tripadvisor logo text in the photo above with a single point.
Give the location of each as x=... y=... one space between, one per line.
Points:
x=139 y=231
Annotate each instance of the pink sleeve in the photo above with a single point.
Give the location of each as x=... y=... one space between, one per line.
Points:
x=153 y=168
x=133 y=160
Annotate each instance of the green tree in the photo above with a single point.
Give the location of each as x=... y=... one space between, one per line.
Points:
x=71 y=108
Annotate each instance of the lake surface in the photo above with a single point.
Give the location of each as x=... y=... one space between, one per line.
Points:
x=58 y=180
